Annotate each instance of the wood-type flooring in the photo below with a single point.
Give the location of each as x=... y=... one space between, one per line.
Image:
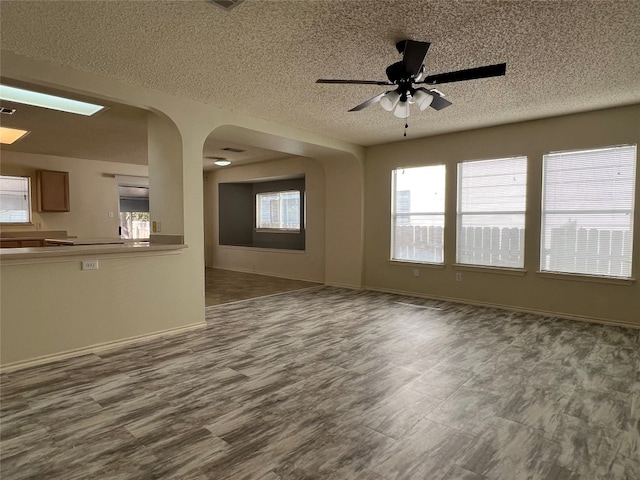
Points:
x=327 y=383
x=226 y=286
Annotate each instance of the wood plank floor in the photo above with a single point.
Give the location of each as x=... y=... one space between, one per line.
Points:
x=327 y=383
x=226 y=286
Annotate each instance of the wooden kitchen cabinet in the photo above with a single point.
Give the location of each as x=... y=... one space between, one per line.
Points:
x=52 y=191
x=32 y=243
x=10 y=244
x=21 y=242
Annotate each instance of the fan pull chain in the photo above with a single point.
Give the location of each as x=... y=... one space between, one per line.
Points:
x=406 y=125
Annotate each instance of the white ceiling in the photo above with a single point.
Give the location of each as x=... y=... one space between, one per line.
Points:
x=262 y=58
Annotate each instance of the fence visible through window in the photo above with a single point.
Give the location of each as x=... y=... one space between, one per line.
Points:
x=589 y=251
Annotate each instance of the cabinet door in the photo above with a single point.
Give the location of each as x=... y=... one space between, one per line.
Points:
x=31 y=243
x=10 y=244
x=53 y=191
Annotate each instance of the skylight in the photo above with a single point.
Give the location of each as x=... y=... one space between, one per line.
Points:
x=53 y=102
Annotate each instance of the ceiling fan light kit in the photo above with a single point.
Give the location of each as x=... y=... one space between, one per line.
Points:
x=422 y=99
x=389 y=100
x=402 y=110
x=410 y=71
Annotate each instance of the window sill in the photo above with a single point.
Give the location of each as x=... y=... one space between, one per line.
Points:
x=261 y=249
x=414 y=263
x=518 y=272
x=276 y=230
x=574 y=277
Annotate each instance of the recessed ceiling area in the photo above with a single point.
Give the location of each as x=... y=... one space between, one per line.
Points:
x=215 y=148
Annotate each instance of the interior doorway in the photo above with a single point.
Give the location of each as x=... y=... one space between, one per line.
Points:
x=135 y=221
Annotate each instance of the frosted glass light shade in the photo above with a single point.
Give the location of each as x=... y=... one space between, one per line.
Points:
x=422 y=99
x=389 y=100
x=402 y=110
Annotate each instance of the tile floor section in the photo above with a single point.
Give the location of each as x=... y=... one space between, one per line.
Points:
x=226 y=286
x=327 y=383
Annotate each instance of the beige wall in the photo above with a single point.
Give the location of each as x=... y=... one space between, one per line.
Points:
x=304 y=265
x=345 y=227
x=166 y=204
x=93 y=192
x=532 y=291
x=53 y=307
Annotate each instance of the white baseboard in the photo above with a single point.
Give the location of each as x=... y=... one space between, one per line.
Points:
x=511 y=308
x=345 y=285
x=99 y=347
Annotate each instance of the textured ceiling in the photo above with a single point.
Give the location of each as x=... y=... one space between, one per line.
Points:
x=263 y=57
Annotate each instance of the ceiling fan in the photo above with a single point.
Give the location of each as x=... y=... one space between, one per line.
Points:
x=409 y=72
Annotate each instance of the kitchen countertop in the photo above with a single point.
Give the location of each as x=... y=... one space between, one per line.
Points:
x=33 y=234
x=10 y=256
x=85 y=241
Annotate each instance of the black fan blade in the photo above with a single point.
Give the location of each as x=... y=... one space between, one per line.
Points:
x=413 y=55
x=438 y=102
x=468 y=74
x=355 y=82
x=369 y=102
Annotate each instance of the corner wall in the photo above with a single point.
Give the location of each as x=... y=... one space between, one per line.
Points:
x=308 y=264
x=606 y=302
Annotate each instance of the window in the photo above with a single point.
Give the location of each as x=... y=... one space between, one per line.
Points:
x=587 y=211
x=491 y=210
x=15 y=199
x=278 y=211
x=417 y=214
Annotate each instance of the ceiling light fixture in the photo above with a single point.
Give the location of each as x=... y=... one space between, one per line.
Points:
x=53 y=102
x=222 y=163
x=11 y=135
x=398 y=102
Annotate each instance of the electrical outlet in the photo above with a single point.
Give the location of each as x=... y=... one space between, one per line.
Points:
x=458 y=276
x=155 y=226
x=89 y=264
x=416 y=272
x=110 y=214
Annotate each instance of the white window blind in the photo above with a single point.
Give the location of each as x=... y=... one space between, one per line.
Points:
x=587 y=211
x=15 y=199
x=491 y=211
x=417 y=214
x=278 y=210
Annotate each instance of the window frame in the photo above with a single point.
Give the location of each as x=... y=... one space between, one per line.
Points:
x=29 y=210
x=460 y=214
x=585 y=211
x=395 y=215
x=301 y=215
